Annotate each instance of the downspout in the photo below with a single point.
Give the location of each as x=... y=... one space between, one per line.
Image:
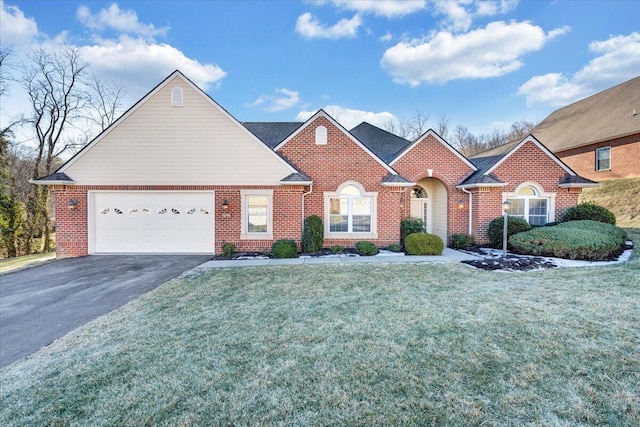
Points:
x=305 y=194
x=470 y=209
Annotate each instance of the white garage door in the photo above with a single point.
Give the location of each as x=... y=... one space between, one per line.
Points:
x=152 y=222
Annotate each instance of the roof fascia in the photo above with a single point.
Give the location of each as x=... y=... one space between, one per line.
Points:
x=440 y=140
x=51 y=182
x=468 y=186
x=578 y=185
x=322 y=113
x=544 y=149
x=398 y=184
x=597 y=141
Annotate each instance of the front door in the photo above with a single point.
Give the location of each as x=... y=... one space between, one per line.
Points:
x=420 y=209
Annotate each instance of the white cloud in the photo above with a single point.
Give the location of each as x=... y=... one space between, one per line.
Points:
x=386 y=38
x=618 y=60
x=122 y=21
x=492 y=51
x=459 y=14
x=350 y=118
x=386 y=8
x=137 y=64
x=282 y=99
x=16 y=30
x=310 y=27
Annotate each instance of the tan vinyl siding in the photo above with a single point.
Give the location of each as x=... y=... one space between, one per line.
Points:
x=195 y=144
x=438 y=206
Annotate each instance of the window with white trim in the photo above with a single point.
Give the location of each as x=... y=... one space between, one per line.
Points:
x=350 y=211
x=531 y=204
x=177 y=97
x=603 y=159
x=257 y=215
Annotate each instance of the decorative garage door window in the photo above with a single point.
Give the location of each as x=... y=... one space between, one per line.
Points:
x=117 y=211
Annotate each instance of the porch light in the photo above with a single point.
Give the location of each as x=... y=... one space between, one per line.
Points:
x=225 y=204
x=460 y=204
x=71 y=204
x=505 y=209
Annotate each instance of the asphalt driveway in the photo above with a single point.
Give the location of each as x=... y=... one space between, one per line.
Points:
x=41 y=304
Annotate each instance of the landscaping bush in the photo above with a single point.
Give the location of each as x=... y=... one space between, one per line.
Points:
x=365 y=248
x=337 y=249
x=395 y=247
x=496 y=228
x=585 y=240
x=591 y=211
x=312 y=235
x=423 y=244
x=462 y=241
x=284 y=249
x=410 y=226
x=228 y=249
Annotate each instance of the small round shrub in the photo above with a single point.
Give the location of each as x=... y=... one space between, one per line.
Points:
x=312 y=235
x=496 y=227
x=410 y=226
x=395 y=247
x=365 y=248
x=284 y=249
x=337 y=249
x=462 y=241
x=591 y=211
x=423 y=244
x=228 y=249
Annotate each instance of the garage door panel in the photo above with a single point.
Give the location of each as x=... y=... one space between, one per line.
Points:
x=153 y=222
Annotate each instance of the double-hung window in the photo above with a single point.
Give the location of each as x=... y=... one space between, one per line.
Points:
x=350 y=211
x=531 y=204
x=257 y=217
x=603 y=159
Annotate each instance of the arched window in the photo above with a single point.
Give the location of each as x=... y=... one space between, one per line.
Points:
x=419 y=193
x=531 y=204
x=177 y=98
x=351 y=210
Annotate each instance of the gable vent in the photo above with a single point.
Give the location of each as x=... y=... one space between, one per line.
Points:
x=177 y=98
x=321 y=135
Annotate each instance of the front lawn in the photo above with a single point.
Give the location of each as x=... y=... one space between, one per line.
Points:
x=392 y=344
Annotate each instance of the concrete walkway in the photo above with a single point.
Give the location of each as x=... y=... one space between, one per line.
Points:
x=448 y=255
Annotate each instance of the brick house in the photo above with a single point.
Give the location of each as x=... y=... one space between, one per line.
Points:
x=598 y=137
x=177 y=173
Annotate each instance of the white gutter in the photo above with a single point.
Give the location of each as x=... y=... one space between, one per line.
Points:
x=470 y=209
x=304 y=194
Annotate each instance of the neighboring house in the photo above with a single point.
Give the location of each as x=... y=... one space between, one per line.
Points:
x=598 y=137
x=178 y=174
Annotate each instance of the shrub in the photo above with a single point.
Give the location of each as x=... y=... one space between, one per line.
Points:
x=284 y=249
x=337 y=249
x=228 y=249
x=423 y=244
x=591 y=211
x=410 y=226
x=394 y=247
x=312 y=235
x=462 y=241
x=496 y=227
x=365 y=248
x=586 y=240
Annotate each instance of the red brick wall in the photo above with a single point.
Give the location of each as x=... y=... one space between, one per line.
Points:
x=448 y=168
x=72 y=237
x=625 y=159
x=528 y=164
x=340 y=160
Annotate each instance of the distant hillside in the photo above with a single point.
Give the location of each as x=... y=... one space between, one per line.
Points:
x=620 y=196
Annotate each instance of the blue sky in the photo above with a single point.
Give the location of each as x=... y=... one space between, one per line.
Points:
x=483 y=64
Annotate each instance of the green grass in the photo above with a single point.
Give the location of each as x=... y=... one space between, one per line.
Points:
x=620 y=196
x=421 y=344
x=12 y=264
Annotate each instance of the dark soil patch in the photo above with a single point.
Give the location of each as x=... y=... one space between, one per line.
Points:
x=511 y=263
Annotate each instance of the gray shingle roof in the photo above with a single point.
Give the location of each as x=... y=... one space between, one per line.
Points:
x=397 y=179
x=576 y=180
x=58 y=176
x=382 y=143
x=272 y=133
x=296 y=177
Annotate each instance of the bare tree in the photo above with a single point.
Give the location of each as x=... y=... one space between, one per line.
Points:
x=104 y=101
x=418 y=124
x=5 y=53
x=442 y=127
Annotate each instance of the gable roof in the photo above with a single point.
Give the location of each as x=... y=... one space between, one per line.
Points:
x=153 y=91
x=322 y=113
x=272 y=133
x=384 y=144
x=484 y=177
x=438 y=138
x=606 y=115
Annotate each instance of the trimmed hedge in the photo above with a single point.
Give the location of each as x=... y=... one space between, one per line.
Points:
x=589 y=210
x=228 y=249
x=462 y=241
x=365 y=248
x=284 y=249
x=496 y=227
x=585 y=240
x=312 y=235
x=423 y=244
x=410 y=226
